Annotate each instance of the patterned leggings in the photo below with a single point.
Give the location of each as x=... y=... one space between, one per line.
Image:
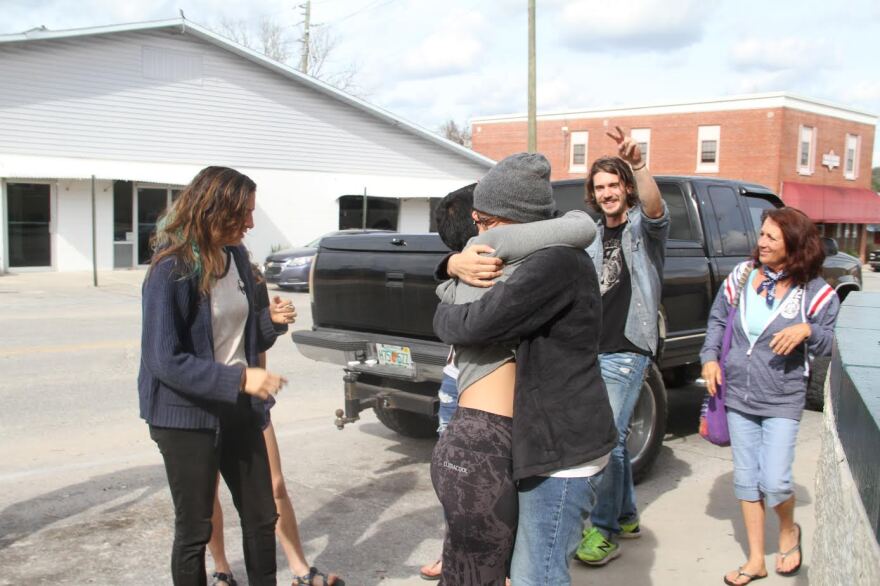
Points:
x=471 y=470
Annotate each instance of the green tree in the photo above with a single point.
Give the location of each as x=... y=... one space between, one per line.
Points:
x=875 y=178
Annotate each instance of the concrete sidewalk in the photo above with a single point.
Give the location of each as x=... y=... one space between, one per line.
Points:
x=691 y=523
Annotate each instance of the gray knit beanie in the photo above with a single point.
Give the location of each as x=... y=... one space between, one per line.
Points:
x=517 y=189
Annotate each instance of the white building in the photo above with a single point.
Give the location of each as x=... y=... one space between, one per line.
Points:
x=142 y=107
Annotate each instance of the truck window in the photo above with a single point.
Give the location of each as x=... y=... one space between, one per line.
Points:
x=382 y=212
x=756 y=206
x=731 y=222
x=680 y=227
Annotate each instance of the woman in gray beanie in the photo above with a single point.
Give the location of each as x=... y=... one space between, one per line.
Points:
x=472 y=465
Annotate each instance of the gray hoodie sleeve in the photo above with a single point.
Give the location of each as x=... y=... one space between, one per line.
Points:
x=515 y=241
x=822 y=322
x=446 y=291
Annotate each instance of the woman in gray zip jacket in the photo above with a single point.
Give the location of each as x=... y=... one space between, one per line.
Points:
x=785 y=314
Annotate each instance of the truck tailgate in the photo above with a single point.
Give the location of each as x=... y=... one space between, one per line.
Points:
x=377 y=283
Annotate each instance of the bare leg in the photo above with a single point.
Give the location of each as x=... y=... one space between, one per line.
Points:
x=286 y=528
x=788 y=535
x=753 y=516
x=216 y=545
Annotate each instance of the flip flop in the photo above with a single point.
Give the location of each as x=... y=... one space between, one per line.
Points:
x=431 y=571
x=740 y=573
x=793 y=550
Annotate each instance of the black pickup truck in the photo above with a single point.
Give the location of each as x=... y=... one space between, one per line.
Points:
x=373 y=302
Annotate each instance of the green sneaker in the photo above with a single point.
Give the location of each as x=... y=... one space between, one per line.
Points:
x=595 y=550
x=630 y=530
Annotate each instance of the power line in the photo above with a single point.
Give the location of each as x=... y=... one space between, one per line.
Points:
x=371 y=6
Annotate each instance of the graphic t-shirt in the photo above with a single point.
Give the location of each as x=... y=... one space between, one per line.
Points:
x=616 y=289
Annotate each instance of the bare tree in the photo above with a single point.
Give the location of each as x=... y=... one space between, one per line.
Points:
x=276 y=42
x=450 y=130
x=271 y=38
x=322 y=43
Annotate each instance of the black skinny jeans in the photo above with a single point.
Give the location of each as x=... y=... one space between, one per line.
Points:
x=192 y=459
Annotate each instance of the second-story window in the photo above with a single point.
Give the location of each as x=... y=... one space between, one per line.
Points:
x=708 y=148
x=578 y=155
x=851 y=157
x=806 y=145
x=642 y=136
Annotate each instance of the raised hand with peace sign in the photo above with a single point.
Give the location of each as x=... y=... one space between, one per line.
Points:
x=627 y=148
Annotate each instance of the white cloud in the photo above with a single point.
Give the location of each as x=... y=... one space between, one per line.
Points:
x=864 y=92
x=451 y=49
x=783 y=53
x=768 y=81
x=592 y=25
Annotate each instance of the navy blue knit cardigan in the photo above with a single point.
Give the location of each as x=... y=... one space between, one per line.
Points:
x=179 y=383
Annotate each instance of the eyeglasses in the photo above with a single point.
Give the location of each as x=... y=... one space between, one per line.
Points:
x=484 y=221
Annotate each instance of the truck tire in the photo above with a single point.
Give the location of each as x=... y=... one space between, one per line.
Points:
x=407 y=423
x=648 y=424
x=816 y=385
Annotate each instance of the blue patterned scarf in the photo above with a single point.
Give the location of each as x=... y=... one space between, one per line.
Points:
x=769 y=284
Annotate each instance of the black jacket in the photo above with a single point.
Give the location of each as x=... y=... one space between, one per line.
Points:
x=561 y=414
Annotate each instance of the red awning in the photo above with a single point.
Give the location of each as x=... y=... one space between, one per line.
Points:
x=837 y=205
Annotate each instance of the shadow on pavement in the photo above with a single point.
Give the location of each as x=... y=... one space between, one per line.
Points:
x=383 y=546
x=23 y=519
x=367 y=539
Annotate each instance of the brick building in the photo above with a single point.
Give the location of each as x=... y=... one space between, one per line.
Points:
x=816 y=155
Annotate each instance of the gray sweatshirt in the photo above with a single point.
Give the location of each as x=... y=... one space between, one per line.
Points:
x=758 y=381
x=512 y=243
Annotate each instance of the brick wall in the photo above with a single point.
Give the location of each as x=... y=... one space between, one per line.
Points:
x=830 y=135
x=755 y=145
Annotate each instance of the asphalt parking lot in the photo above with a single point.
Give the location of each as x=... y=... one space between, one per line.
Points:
x=83 y=497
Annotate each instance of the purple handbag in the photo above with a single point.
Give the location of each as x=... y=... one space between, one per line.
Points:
x=713 y=415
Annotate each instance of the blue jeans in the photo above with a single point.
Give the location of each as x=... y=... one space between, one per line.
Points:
x=552 y=513
x=448 y=395
x=623 y=373
x=763 y=452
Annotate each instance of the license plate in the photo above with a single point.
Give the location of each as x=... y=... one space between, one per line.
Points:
x=399 y=356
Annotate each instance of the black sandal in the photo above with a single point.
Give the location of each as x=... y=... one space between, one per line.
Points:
x=314 y=573
x=224 y=578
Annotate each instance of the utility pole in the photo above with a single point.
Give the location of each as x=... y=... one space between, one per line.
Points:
x=533 y=125
x=304 y=60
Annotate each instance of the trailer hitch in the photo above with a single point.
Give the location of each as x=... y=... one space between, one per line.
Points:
x=352 y=402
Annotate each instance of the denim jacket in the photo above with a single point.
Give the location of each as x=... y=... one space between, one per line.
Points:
x=644 y=248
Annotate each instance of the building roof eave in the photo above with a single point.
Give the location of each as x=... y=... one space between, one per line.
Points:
x=189 y=27
x=740 y=102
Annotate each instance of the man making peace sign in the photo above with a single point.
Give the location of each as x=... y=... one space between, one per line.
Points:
x=628 y=254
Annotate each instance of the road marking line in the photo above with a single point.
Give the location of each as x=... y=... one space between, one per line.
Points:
x=79 y=347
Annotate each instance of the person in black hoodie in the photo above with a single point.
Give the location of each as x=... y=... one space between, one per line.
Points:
x=551 y=304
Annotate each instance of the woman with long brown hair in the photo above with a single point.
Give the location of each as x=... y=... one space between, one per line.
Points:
x=200 y=387
x=784 y=314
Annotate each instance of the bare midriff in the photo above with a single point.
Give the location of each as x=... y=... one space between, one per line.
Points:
x=492 y=393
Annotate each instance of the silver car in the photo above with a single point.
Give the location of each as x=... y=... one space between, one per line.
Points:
x=289 y=268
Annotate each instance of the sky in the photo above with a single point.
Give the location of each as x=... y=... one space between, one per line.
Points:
x=430 y=61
